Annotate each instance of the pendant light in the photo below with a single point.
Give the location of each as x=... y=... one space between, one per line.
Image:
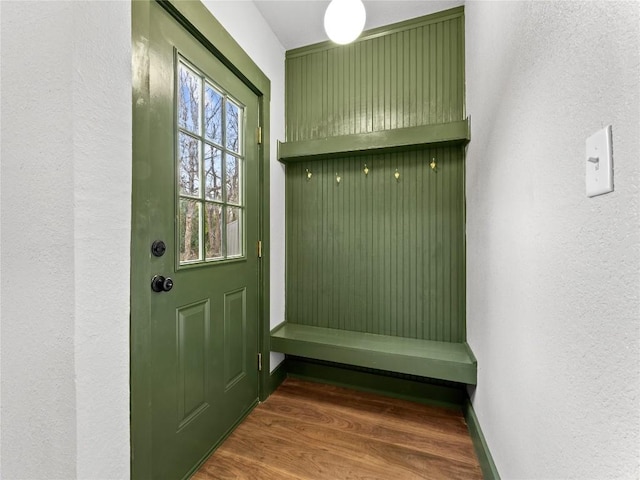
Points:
x=344 y=20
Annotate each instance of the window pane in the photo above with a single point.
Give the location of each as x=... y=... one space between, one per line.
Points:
x=189 y=151
x=213 y=231
x=233 y=179
x=190 y=231
x=213 y=173
x=212 y=114
x=234 y=118
x=189 y=88
x=234 y=231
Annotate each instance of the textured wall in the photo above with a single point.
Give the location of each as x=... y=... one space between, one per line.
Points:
x=0 y=255
x=38 y=388
x=553 y=277
x=372 y=254
x=66 y=189
x=247 y=26
x=403 y=76
x=102 y=234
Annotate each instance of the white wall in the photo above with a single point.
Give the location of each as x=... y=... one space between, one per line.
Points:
x=245 y=23
x=102 y=235
x=553 y=277
x=0 y=255
x=65 y=211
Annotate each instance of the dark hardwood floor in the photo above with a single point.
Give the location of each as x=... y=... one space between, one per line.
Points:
x=314 y=431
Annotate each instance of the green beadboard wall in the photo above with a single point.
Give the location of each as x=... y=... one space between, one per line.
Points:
x=371 y=253
x=407 y=75
x=376 y=254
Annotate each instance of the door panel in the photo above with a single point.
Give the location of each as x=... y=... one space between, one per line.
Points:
x=193 y=340
x=202 y=201
x=235 y=334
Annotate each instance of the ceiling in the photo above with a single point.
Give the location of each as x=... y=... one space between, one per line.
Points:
x=297 y=23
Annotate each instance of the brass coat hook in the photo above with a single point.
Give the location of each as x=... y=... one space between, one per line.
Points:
x=397 y=175
x=309 y=174
x=433 y=164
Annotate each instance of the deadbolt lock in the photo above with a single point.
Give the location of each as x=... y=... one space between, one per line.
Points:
x=158 y=248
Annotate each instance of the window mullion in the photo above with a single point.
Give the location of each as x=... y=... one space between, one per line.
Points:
x=203 y=210
x=224 y=177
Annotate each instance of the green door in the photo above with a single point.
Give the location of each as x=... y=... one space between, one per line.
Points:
x=196 y=224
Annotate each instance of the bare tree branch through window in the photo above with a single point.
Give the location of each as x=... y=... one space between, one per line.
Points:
x=210 y=173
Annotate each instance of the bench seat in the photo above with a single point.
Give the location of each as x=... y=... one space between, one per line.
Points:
x=442 y=360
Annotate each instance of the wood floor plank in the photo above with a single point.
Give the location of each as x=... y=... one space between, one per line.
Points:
x=388 y=459
x=366 y=402
x=241 y=467
x=311 y=431
x=453 y=445
x=324 y=460
x=448 y=420
x=372 y=401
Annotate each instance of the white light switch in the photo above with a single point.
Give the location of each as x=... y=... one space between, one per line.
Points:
x=599 y=163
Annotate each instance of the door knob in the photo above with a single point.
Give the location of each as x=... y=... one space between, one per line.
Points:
x=158 y=248
x=161 y=284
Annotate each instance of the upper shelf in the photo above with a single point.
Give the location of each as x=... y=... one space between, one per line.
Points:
x=452 y=133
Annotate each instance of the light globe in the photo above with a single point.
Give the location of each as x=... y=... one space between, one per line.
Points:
x=344 y=20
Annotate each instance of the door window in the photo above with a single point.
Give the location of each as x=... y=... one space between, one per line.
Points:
x=210 y=164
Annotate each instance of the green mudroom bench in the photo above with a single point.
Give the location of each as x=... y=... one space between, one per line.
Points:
x=442 y=360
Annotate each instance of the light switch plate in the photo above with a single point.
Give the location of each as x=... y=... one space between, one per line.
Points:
x=599 y=163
